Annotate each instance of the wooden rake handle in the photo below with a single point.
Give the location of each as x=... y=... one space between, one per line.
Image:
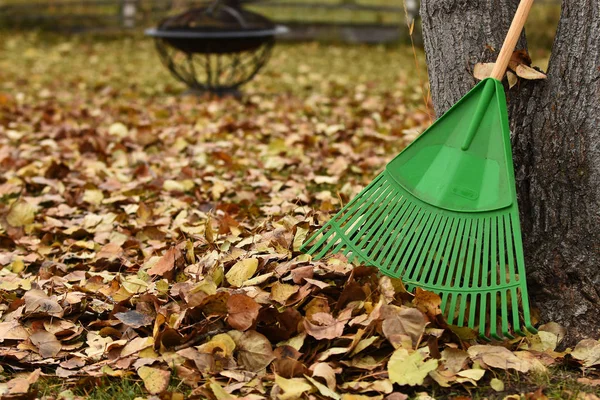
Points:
x=512 y=37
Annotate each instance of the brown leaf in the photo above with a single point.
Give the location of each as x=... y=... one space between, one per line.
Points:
x=47 y=344
x=166 y=263
x=407 y=323
x=134 y=319
x=497 y=357
x=38 y=302
x=520 y=57
x=242 y=310
x=286 y=362
x=316 y=305
x=325 y=326
x=588 y=381
x=537 y=395
x=525 y=72
x=427 y=302
x=254 y=351
x=12 y=330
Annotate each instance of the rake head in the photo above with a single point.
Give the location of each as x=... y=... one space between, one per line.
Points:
x=474 y=261
x=443 y=216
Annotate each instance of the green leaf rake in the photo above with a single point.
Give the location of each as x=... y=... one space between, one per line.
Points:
x=443 y=215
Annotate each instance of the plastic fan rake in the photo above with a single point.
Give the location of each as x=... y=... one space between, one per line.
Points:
x=443 y=215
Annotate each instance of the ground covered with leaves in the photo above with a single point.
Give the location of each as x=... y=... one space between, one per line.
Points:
x=149 y=241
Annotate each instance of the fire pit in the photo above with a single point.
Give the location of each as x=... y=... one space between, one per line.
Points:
x=215 y=48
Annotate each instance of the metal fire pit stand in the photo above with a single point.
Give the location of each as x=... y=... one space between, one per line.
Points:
x=215 y=60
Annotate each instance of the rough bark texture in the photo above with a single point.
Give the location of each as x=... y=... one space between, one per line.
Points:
x=556 y=144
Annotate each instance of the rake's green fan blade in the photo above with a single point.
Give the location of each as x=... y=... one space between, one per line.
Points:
x=443 y=216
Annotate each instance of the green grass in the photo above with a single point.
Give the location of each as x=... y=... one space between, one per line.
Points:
x=559 y=383
x=105 y=388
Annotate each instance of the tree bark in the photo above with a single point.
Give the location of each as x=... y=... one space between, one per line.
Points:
x=556 y=144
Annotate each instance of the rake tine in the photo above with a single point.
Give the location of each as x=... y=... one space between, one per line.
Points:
x=448 y=237
x=383 y=258
x=388 y=219
x=420 y=255
x=411 y=229
x=382 y=249
x=376 y=221
x=415 y=246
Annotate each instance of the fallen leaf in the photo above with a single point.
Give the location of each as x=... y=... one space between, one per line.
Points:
x=588 y=381
x=47 y=344
x=427 y=302
x=587 y=351
x=12 y=330
x=21 y=213
x=280 y=292
x=497 y=385
x=554 y=328
x=324 y=390
x=134 y=319
x=38 y=302
x=241 y=272
x=242 y=311
x=497 y=357
x=324 y=371
x=325 y=326
x=254 y=351
x=406 y=323
x=166 y=263
x=292 y=388
x=512 y=79
x=406 y=368
x=156 y=380
x=219 y=392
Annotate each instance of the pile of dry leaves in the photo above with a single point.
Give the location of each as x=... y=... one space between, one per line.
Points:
x=157 y=237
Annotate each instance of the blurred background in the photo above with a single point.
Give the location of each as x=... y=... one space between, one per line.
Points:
x=333 y=48
x=350 y=21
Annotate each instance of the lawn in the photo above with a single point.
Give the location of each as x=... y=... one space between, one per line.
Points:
x=149 y=240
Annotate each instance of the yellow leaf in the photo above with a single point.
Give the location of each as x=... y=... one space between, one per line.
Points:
x=407 y=368
x=324 y=390
x=93 y=196
x=588 y=351
x=280 y=292
x=21 y=214
x=173 y=186
x=299 y=237
x=156 y=380
x=292 y=388
x=219 y=392
x=222 y=343
x=118 y=129
x=497 y=385
x=17 y=265
x=241 y=271
x=471 y=375
x=512 y=79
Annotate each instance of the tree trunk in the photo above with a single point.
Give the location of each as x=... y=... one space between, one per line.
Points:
x=556 y=144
